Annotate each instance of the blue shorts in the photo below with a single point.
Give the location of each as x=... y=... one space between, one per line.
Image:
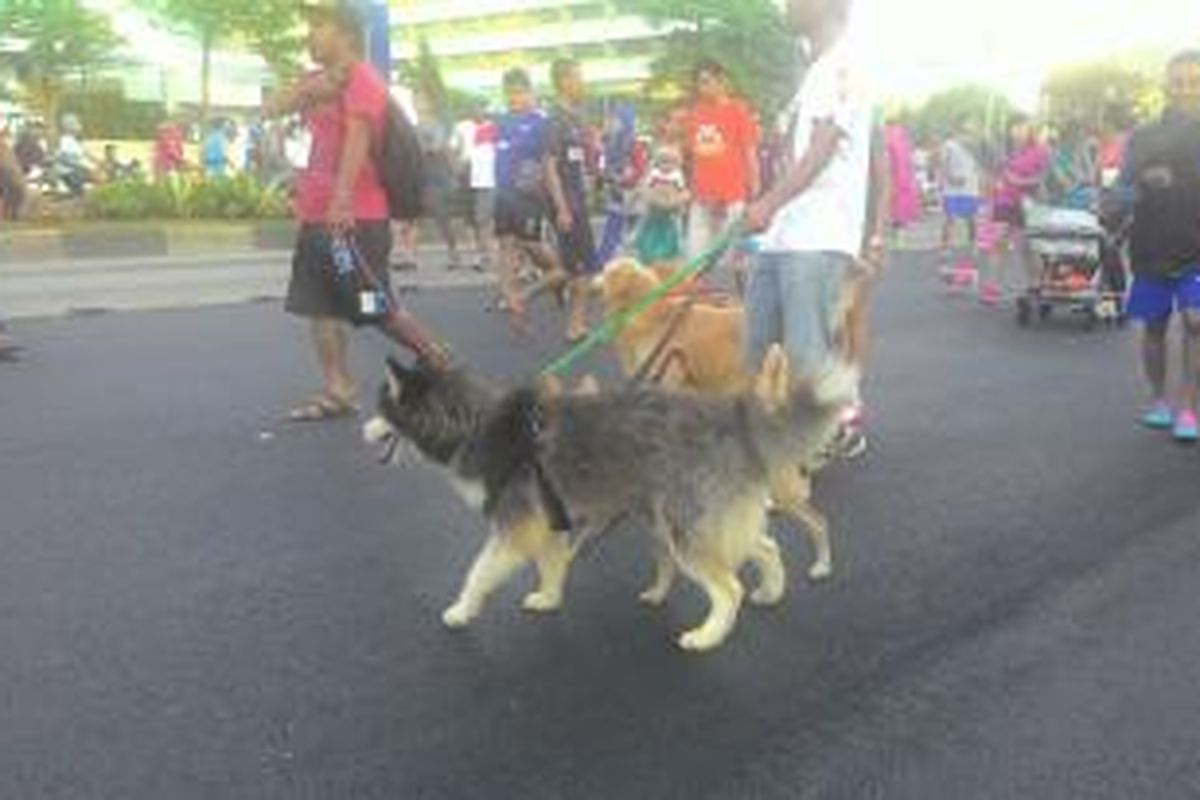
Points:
x=1154 y=300
x=961 y=206
x=793 y=299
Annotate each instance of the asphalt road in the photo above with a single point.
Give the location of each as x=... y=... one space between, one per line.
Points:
x=85 y=285
x=192 y=609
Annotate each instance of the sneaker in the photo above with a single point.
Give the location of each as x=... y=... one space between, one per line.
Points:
x=851 y=442
x=1159 y=416
x=1187 y=428
x=990 y=294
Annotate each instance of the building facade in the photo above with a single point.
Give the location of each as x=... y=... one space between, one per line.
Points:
x=475 y=41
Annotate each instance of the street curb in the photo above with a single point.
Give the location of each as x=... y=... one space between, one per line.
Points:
x=86 y=241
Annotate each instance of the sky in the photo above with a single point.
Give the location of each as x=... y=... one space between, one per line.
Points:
x=919 y=46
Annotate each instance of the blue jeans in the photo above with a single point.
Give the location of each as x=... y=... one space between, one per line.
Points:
x=793 y=299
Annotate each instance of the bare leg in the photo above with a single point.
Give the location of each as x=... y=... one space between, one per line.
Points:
x=578 y=305
x=446 y=228
x=333 y=344
x=1190 y=381
x=494 y=566
x=1154 y=357
x=407 y=239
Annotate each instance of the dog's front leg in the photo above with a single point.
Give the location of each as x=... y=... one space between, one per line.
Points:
x=791 y=491
x=664 y=576
x=772 y=574
x=496 y=563
x=553 y=561
x=724 y=592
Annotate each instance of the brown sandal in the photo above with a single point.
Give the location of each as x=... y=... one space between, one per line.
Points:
x=322 y=407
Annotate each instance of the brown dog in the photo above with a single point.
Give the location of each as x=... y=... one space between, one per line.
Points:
x=705 y=354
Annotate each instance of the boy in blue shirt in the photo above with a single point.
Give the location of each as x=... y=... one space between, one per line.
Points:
x=522 y=150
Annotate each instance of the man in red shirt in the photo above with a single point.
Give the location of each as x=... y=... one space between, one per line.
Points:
x=340 y=201
x=723 y=150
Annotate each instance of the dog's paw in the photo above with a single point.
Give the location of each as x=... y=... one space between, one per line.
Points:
x=654 y=596
x=820 y=571
x=768 y=595
x=699 y=640
x=457 y=616
x=540 y=603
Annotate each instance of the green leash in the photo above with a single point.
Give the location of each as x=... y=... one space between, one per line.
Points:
x=618 y=322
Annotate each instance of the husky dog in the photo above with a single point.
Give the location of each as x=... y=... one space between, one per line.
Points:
x=549 y=470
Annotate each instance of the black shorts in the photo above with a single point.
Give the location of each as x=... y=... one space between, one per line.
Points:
x=1010 y=215
x=577 y=249
x=315 y=290
x=519 y=215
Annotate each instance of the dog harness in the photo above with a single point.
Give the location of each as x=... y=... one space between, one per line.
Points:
x=557 y=513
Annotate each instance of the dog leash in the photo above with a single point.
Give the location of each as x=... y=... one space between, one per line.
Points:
x=614 y=324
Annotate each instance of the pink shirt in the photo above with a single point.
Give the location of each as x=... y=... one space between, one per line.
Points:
x=366 y=97
x=1022 y=174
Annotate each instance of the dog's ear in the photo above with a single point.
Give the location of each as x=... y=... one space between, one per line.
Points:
x=774 y=379
x=588 y=386
x=550 y=386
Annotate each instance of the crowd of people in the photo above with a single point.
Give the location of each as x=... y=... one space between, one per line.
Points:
x=538 y=176
x=818 y=192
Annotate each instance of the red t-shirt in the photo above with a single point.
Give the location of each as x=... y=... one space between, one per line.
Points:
x=721 y=136
x=365 y=96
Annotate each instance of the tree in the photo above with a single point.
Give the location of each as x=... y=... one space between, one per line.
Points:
x=942 y=113
x=266 y=26
x=54 y=40
x=273 y=32
x=748 y=37
x=1085 y=93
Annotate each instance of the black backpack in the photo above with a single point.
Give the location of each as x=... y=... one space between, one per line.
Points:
x=398 y=162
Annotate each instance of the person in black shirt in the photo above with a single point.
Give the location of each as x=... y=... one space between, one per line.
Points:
x=566 y=183
x=1162 y=179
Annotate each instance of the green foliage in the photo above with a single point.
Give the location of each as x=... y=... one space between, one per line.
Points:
x=1087 y=93
x=269 y=27
x=61 y=39
x=985 y=108
x=424 y=76
x=749 y=37
x=237 y=198
x=107 y=113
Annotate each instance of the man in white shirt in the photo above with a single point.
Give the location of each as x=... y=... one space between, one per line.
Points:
x=475 y=145
x=814 y=219
x=961 y=185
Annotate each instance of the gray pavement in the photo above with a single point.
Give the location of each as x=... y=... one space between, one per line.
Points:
x=55 y=288
x=197 y=601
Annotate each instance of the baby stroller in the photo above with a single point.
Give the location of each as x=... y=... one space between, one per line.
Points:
x=1070 y=244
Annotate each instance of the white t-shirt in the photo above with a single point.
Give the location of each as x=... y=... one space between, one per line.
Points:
x=476 y=142
x=960 y=170
x=831 y=214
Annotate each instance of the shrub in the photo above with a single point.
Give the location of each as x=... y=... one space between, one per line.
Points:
x=237 y=198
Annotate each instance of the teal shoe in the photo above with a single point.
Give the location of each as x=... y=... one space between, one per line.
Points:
x=1160 y=416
